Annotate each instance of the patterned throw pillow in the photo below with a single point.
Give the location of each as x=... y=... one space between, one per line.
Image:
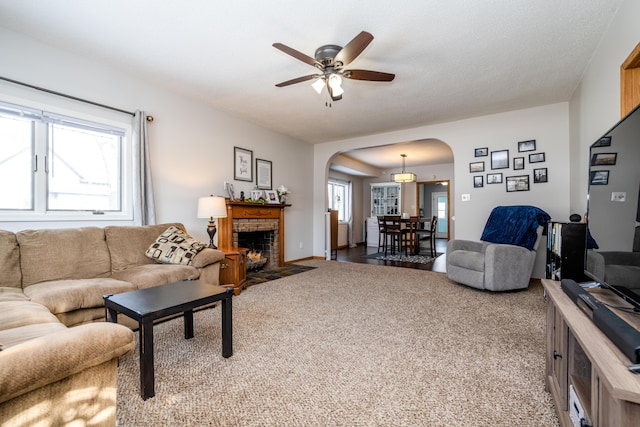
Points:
x=174 y=246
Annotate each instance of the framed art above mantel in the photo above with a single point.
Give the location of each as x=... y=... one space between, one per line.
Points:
x=242 y=164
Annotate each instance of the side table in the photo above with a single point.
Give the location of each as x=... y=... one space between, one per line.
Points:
x=233 y=269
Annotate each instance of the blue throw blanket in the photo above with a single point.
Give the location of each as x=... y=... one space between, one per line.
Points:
x=514 y=225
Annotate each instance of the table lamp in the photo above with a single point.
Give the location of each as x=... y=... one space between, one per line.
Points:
x=212 y=207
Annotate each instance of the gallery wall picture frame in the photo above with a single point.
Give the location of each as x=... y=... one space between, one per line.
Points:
x=529 y=145
x=536 y=158
x=272 y=196
x=604 y=159
x=242 y=164
x=500 y=159
x=518 y=163
x=494 y=178
x=540 y=175
x=481 y=152
x=517 y=183
x=476 y=167
x=478 y=181
x=605 y=141
x=599 y=177
x=263 y=174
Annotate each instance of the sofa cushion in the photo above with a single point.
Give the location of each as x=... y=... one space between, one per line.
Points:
x=174 y=246
x=10 y=260
x=15 y=336
x=14 y=314
x=61 y=254
x=146 y=276
x=12 y=294
x=127 y=245
x=61 y=296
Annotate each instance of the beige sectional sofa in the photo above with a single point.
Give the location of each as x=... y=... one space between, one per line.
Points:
x=57 y=357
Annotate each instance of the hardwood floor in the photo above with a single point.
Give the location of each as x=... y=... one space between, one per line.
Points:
x=358 y=254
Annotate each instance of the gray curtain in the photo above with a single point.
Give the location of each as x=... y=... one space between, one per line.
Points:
x=143 y=203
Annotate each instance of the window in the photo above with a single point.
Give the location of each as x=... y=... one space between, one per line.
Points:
x=340 y=199
x=58 y=167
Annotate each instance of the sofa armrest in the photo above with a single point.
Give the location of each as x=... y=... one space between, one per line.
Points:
x=207 y=256
x=53 y=357
x=620 y=258
x=464 y=245
x=207 y=261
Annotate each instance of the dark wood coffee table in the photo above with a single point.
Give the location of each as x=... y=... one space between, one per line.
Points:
x=147 y=305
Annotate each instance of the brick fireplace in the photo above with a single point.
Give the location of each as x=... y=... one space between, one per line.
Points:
x=245 y=217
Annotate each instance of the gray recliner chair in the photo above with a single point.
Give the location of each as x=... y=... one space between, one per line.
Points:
x=504 y=258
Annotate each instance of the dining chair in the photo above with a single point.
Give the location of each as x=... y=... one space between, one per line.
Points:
x=392 y=232
x=430 y=234
x=381 y=235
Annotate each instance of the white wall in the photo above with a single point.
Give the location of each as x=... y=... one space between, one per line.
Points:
x=548 y=125
x=191 y=143
x=595 y=105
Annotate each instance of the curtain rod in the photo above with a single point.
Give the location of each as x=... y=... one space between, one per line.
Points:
x=69 y=96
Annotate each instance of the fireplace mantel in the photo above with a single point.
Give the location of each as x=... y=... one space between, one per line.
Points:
x=245 y=210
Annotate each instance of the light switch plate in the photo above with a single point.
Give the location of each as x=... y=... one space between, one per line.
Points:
x=618 y=196
x=466 y=197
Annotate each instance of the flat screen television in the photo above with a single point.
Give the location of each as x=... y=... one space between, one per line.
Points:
x=612 y=258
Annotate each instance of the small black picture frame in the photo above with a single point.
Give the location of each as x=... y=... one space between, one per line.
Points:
x=536 y=158
x=478 y=181
x=475 y=167
x=518 y=163
x=604 y=159
x=517 y=183
x=529 y=145
x=599 y=177
x=494 y=178
x=540 y=175
x=481 y=152
x=605 y=141
x=500 y=159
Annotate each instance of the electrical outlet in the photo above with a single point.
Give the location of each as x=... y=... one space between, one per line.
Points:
x=301 y=245
x=466 y=197
x=618 y=196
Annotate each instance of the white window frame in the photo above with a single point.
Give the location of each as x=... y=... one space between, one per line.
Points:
x=83 y=112
x=347 y=195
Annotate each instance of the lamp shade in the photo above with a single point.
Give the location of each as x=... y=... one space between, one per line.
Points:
x=212 y=207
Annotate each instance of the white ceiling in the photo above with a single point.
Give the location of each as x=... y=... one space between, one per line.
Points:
x=452 y=60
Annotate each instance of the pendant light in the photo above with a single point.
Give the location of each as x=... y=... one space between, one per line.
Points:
x=403 y=176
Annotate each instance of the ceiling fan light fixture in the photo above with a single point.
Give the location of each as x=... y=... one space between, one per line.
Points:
x=318 y=85
x=335 y=85
x=403 y=176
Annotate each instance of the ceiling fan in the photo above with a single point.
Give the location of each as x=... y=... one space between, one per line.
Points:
x=330 y=60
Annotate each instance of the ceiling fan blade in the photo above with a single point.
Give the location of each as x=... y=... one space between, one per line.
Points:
x=297 y=54
x=374 y=76
x=353 y=48
x=298 y=80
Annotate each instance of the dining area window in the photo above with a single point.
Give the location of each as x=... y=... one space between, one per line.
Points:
x=340 y=199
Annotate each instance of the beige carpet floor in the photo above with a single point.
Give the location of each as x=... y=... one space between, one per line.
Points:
x=352 y=345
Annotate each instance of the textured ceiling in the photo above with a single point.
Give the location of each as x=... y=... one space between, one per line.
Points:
x=452 y=60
